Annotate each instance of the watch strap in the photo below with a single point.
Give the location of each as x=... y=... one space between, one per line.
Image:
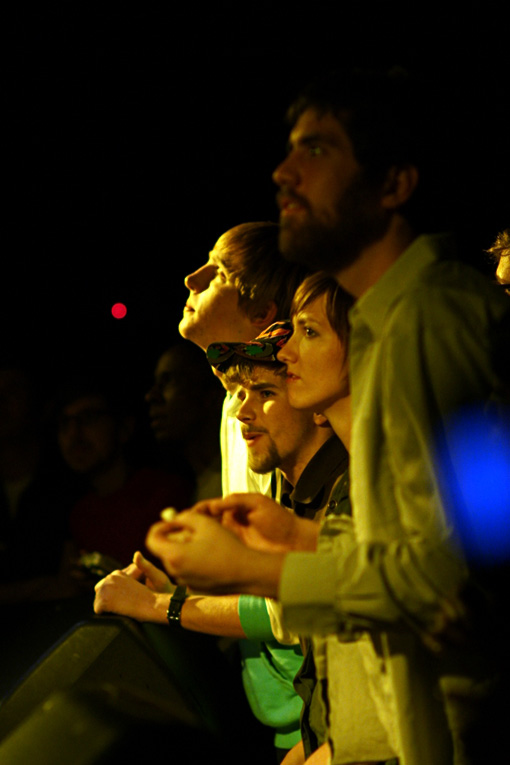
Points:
x=175 y=606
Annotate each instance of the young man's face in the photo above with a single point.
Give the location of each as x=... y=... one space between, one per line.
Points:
x=274 y=432
x=328 y=212
x=212 y=311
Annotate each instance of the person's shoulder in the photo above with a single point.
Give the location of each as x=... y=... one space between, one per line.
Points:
x=449 y=294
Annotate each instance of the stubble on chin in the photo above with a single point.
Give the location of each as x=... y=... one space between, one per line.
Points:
x=264 y=463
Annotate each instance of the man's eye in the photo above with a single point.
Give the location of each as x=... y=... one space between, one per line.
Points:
x=315 y=151
x=266 y=393
x=309 y=332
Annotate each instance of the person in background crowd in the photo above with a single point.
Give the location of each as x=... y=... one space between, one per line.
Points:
x=185 y=412
x=500 y=252
x=94 y=429
x=35 y=493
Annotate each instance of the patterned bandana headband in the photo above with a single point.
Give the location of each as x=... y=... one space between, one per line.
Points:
x=264 y=348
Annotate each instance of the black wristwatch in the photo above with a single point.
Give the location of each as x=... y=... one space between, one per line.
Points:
x=175 y=606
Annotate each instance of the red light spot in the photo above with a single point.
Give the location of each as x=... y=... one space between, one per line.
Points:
x=119 y=310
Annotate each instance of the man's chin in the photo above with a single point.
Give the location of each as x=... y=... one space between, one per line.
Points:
x=261 y=466
x=310 y=248
x=183 y=326
x=187 y=330
x=288 y=244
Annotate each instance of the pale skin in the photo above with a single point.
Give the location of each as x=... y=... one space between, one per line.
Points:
x=142 y=591
x=212 y=309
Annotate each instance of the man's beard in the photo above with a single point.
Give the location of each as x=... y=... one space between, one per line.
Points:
x=359 y=221
x=264 y=463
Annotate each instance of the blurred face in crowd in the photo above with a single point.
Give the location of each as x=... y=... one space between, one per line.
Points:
x=88 y=435
x=180 y=393
x=317 y=368
x=212 y=310
x=274 y=432
x=16 y=406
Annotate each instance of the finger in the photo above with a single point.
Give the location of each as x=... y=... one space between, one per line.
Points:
x=157 y=538
x=231 y=521
x=236 y=504
x=211 y=507
x=186 y=521
x=148 y=568
x=133 y=571
x=97 y=606
x=158 y=530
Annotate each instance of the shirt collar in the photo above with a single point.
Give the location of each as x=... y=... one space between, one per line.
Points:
x=316 y=479
x=372 y=307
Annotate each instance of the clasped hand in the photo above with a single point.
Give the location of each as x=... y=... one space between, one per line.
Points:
x=235 y=544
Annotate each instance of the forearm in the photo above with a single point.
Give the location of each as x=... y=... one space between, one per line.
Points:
x=120 y=594
x=258 y=573
x=306 y=535
x=154 y=610
x=214 y=615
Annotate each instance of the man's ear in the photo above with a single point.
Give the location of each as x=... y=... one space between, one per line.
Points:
x=399 y=185
x=266 y=316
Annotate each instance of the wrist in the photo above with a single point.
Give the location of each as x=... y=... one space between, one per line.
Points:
x=261 y=573
x=160 y=607
x=305 y=535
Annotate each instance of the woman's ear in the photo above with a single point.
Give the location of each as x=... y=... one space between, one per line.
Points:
x=399 y=186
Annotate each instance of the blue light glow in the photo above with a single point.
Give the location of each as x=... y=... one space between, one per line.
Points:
x=479 y=455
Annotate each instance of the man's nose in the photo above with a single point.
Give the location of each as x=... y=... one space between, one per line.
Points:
x=200 y=279
x=153 y=394
x=245 y=411
x=286 y=174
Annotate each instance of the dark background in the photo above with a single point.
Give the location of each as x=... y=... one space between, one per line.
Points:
x=136 y=137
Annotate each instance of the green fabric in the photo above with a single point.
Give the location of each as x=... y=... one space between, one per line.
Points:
x=269 y=667
x=268 y=672
x=254 y=618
